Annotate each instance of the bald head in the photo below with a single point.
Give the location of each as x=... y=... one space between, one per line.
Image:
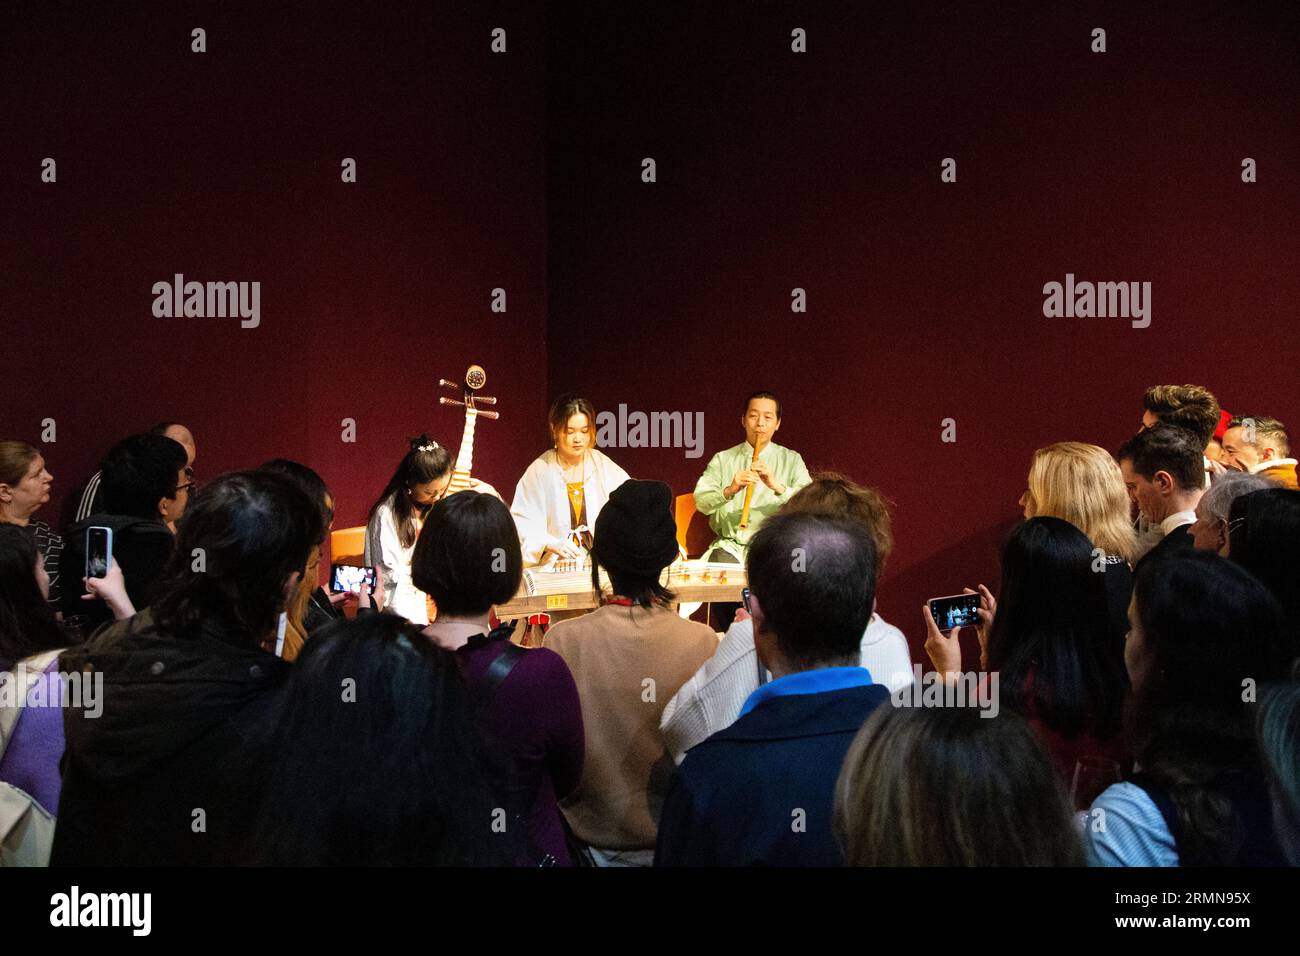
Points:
x=181 y=435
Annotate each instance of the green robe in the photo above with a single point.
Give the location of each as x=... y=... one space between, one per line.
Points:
x=787 y=469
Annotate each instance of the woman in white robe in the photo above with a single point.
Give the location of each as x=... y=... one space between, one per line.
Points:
x=561 y=493
x=421 y=479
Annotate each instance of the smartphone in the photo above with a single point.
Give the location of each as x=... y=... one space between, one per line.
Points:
x=957 y=610
x=99 y=551
x=350 y=577
x=744 y=598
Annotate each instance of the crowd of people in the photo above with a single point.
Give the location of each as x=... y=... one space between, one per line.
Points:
x=1142 y=648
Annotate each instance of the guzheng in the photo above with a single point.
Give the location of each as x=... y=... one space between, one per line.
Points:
x=568 y=588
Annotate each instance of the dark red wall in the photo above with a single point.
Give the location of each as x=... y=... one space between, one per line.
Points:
x=778 y=170
x=226 y=165
x=775 y=170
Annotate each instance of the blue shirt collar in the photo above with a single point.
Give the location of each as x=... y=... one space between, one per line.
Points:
x=817 y=681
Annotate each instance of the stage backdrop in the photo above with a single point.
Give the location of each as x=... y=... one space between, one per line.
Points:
x=227 y=165
x=775 y=169
x=821 y=171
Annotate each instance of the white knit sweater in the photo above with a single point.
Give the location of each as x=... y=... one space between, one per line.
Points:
x=711 y=700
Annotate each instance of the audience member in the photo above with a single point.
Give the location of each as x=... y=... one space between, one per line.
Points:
x=712 y=698
x=1190 y=407
x=1164 y=474
x=629 y=658
x=948 y=786
x=31 y=718
x=388 y=771
x=1083 y=485
x=167 y=773
x=1210 y=530
x=761 y=792
x=468 y=559
x=310 y=607
x=1263 y=538
x=146 y=487
x=91 y=500
x=24 y=488
x=1279 y=745
x=1203 y=634
x=1048 y=638
x=1261 y=446
x=421 y=479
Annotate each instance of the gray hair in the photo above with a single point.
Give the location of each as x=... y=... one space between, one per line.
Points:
x=1229 y=486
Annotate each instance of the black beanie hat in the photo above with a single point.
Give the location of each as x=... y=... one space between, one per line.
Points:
x=635 y=531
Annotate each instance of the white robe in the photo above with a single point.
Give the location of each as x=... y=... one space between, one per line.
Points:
x=541 y=505
x=384 y=551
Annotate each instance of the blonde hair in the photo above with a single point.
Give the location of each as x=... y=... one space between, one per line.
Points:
x=1082 y=484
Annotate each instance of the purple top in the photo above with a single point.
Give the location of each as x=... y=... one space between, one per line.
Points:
x=31 y=761
x=534 y=721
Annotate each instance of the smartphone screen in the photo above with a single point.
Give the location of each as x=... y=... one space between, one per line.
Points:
x=350 y=577
x=99 y=551
x=957 y=610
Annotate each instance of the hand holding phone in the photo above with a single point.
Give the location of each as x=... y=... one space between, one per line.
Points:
x=352 y=577
x=99 y=551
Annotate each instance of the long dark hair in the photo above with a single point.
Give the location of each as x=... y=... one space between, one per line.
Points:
x=1264 y=538
x=240 y=539
x=1207 y=627
x=27 y=623
x=416 y=468
x=374 y=704
x=1052 y=623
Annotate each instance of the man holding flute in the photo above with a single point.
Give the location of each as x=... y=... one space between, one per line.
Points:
x=749 y=482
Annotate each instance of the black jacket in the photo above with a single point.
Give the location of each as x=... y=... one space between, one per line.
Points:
x=171 y=772
x=760 y=793
x=1178 y=541
x=141 y=547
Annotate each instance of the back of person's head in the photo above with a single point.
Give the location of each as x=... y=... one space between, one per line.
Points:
x=1226 y=488
x=1190 y=407
x=138 y=472
x=635 y=538
x=831 y=493
x=945 y=786
x=27 y=623
x=243 y=536
x=1279 y=744
x=308 y=481
x=425 y=461
x=1264 y=538
x=1082 y=484
x=178 y=433
x=1166 y=448
x=375 y=759
x=1205 y=635
x=813 y=577
x=1051 y=639
x=467 y=557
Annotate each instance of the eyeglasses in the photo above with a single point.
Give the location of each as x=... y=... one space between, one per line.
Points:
x=191 y=483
